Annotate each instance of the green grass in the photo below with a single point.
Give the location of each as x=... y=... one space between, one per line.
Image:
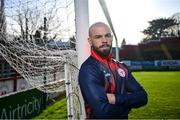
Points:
x=163 y=90
x=56 y=111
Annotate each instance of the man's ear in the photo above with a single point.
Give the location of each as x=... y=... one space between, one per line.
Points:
x=90 y=41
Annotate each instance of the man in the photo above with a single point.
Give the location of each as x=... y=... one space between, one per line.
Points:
x=108 y=87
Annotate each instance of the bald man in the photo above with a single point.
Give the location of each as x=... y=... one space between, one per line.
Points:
x=109 y=89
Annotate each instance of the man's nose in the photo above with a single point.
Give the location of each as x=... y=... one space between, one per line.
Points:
x=104 y=39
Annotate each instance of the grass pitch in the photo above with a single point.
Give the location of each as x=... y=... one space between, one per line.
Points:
x=163 y=90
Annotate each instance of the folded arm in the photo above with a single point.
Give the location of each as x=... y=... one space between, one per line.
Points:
x=94 y=94
x=135 y=94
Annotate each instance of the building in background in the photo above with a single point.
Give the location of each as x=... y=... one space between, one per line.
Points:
x=10 y=80
x=160 y=54
x=167 y=48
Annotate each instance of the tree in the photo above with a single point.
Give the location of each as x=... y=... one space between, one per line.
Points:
x=2 y=18
x=176 y=29
x=159 y=27
x=73 y=42
x=123 y=42
x=38 y=37
x=30 y=21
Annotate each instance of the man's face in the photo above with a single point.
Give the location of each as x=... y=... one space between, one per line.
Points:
x=100 y=40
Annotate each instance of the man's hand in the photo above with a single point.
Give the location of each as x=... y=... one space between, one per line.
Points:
x=111 y=98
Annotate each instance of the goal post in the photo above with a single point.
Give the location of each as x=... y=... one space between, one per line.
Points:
x=83 y=48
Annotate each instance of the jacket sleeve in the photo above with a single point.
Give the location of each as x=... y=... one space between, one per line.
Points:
x=90 y=80
x=136 y=95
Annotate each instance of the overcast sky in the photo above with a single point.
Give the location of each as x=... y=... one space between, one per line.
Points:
x=129 y=17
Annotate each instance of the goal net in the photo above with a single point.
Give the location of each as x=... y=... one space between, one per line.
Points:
x=37 y=40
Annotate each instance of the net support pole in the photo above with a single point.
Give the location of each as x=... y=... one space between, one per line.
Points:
x=82 y=46
x=68 y=85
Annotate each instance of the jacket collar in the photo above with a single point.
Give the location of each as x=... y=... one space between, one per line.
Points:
x=100 y=58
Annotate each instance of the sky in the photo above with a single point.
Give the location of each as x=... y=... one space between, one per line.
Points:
x=130 y=17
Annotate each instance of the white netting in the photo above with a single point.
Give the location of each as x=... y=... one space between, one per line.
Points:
x=36 y=38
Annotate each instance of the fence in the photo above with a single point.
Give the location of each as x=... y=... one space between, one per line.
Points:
x=154 y=65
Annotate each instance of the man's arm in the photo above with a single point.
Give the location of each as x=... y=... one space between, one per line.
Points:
x=94 y=94
x=136 y=95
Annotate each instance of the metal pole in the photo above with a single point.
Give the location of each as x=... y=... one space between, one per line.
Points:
x=82 y=25
x=106 y=13
x=45 y=30
x=69 y=96
x=83 y=47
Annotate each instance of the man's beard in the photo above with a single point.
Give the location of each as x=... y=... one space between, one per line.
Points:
x=102 y=53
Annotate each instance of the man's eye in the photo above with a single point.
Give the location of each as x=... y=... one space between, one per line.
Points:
x=98 y=36
x=108 y=35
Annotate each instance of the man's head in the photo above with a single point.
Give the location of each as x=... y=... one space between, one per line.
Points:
x=100 y=38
